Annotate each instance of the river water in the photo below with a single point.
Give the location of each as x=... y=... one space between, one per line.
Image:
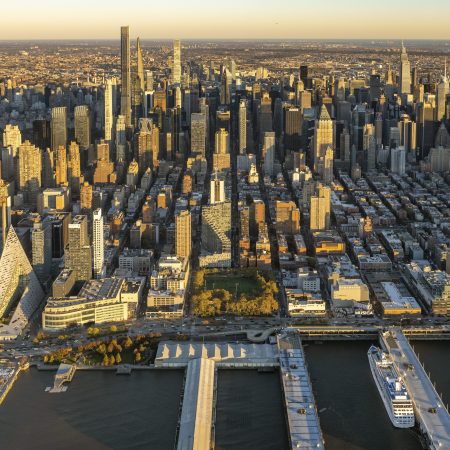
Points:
x=101 y=410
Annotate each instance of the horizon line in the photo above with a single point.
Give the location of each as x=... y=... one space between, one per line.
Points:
x=232 y=39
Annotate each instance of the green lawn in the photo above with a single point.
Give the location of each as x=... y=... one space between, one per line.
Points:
x=245 y=285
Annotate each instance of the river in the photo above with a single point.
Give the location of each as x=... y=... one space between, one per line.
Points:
x=101 y=410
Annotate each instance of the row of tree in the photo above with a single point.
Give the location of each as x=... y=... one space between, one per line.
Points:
x=212 y=302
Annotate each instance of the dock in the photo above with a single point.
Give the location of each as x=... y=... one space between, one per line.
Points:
x=63 y=375
x=8 y=376
x=432 y=416
x=300 y=406
x=196 y=425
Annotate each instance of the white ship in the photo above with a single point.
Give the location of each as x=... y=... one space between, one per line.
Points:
x=393 y=392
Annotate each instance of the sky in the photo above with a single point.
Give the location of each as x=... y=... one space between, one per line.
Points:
x=227 y=19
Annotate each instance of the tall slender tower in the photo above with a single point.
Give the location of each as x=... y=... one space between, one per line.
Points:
x=30 y=171
x=140 y=66
x=59 y=126
x=61 y=165
x=405 y=72
x=441 y=98
x=12 y=138
x=98 y=243
x=125 y=102
x=183 y=232
x=108 y=114
x=323 y=138
x=83 y=126
x=74 y=168
x=176 y=74
x=242 y=127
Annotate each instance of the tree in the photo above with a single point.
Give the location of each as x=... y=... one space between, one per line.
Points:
x=112 y=360
x=113 y=328
x=118 y=358
x=128 y=342
x=105 y=360
x=137 y=357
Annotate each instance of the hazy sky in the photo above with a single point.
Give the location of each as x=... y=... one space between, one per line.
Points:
x=52 y=19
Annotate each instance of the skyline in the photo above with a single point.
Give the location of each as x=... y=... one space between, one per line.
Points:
x=297 y=20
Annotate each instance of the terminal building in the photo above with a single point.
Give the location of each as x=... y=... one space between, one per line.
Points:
x=98 y=301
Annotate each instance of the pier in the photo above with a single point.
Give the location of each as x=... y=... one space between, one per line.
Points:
x=431 y=415
x=301 y=411
x=8 y=376
x=196 y=426
x=64 y=374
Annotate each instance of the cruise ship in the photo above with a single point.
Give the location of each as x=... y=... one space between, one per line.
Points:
x=391 y=388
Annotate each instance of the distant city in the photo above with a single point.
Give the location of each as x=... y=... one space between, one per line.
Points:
x=207 y=204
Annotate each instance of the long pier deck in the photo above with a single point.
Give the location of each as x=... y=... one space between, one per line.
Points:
x=197 y=415
x=301 y=411
x=431 y=414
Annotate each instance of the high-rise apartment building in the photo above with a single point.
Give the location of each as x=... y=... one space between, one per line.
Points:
x=222 y=140
x=74 y=168
x=125 y=101
x=242 y=127
x=41 y=244
x=12 y=138
x=30 y=171
x=86 y=197
x=198 y=134
x=78 y=255
x=98 y=244
x=108 y=111
x=183 y=234
x=176 y=70
x=61 y=165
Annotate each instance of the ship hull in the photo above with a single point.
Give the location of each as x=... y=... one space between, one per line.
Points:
x=396 y=422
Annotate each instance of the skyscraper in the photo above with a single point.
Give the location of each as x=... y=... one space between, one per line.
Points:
x=121 y=139
x=323 y=138
x=140 y=66
x=125 y=101
x=405 y=72
x=59 y=126
x=183 y=234
x=98 y=243
x=320 y=207
x=83 y=126
x=217 y=190
x=268 y=152
x=74 y=168
x=78 y=255
x=176 y=70
x=242 y=127
x=108 y=113
x=61 y=165
x=442 y=91
x=41 y=243
x=198 y=133
x=30 y=171
x=222 y=142
x=12 y=138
